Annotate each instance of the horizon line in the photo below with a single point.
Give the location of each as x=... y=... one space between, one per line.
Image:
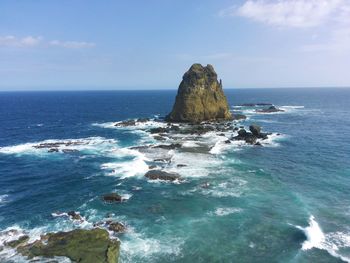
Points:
x=161 y=89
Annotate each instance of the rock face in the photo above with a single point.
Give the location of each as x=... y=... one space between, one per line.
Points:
x=200 y=97
x=85 y=246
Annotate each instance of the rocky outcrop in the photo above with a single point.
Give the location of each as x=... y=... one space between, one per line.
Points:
x=252 y=136
x=80 y=245
x=270 y=109
x=161 y=175
x=200 y=97
x=112 y=198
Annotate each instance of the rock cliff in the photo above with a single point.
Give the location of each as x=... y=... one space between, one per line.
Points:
x=200 y=97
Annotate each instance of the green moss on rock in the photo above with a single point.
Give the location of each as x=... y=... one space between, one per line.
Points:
x=200 y=97
x=84 y=246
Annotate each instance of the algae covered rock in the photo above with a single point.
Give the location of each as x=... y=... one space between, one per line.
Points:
x=200 y=97
x=80 y=245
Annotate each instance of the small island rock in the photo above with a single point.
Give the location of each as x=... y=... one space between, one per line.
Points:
x=200 y=97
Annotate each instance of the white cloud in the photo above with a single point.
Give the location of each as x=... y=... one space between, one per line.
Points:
x=12 y=41
x=288 y=13
x=30 y=42
x=71 y=44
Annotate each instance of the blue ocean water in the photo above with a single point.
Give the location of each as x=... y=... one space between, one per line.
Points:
x=288 y=201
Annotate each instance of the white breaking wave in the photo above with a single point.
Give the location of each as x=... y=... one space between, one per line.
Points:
x=331 y=242
x=90 y=144
x=138 y=125
x=224 y=211
x=136 y=246
x=3 y=199
x=123 y=169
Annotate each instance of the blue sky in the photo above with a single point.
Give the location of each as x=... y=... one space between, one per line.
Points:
x=86 y=44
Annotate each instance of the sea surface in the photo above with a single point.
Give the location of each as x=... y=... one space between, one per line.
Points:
x=288 y=201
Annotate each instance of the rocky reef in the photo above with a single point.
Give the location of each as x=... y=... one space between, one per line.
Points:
x=79 y=245
x=200 y=97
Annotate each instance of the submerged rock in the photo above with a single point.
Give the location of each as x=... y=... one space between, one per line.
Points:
x=161 y=175
x=80 y=245
x=200 y=97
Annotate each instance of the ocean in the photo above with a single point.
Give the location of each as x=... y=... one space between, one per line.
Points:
x=287 y=201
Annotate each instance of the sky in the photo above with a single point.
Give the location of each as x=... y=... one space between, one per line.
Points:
x=138 y=44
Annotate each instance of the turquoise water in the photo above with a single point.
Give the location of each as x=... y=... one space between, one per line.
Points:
x=288 y=201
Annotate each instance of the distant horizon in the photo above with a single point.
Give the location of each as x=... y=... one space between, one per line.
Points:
x=158 y=89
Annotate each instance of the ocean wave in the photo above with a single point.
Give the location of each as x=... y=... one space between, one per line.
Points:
x=136 y=246
x=224 y=211
x=4 y=199
x=331 y=242
x=41 y=148
x=137 y=125
x=126 y=168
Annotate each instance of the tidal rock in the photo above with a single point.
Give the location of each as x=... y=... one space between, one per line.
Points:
x=80 y=245
x=15 y=243
x=113 y=198
x=75 y=216
x=116 y=227
x=270 y=109
x=125 y=123
x=161 y=175
x=253 y=136
x=237 y=117
x=255 y=129
x=53 y=150
x=181 y=165
x=168 y=146
x=200 y=97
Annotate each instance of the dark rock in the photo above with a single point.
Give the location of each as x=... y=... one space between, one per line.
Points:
x=255 y=129
x=228 y=141
x=242 y=132
x=143 y=120
x=159 y=130
x=159 y=138
x=161 y=175
x=205 y=185
x=126 y=123
x=271 y=109
x=258 y=144
x=168 y=146
x=198 y=129
x=116 y=227
x=237 y=117
x=75 y=216
x=152 y=166
x=80 y=245
x=200 y=97
x=113 y=198
x=53 y=150
x=181 y=165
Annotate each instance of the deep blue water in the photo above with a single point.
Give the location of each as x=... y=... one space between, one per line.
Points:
x=256 y=199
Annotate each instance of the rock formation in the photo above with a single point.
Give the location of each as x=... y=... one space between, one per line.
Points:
x=79 y=245
x=200 y=97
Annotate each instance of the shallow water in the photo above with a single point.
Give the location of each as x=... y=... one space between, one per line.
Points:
x=285 y=202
